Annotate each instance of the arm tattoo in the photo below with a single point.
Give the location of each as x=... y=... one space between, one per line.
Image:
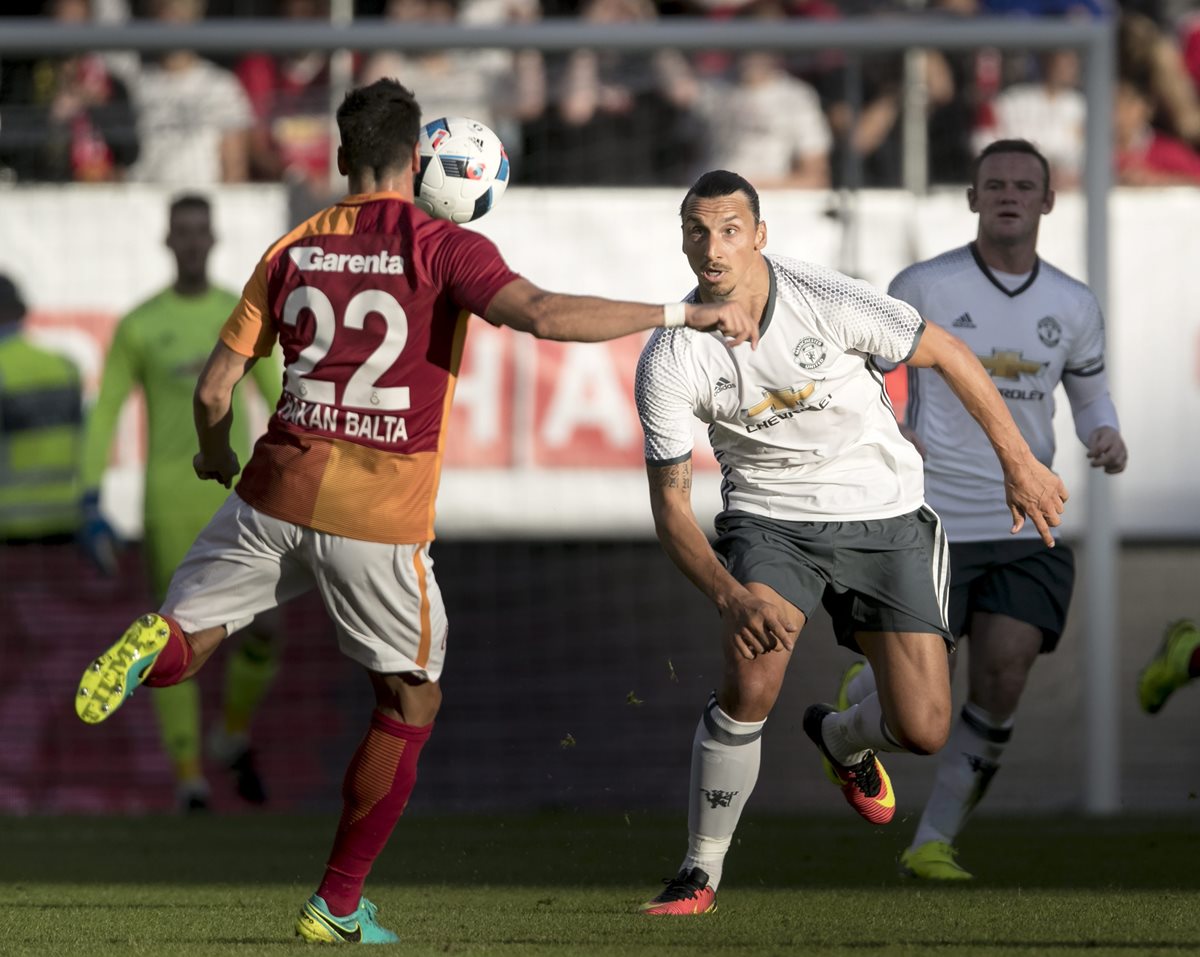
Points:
x=672 y=476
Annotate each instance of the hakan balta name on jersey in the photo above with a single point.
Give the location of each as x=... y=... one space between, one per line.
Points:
x=381 y=428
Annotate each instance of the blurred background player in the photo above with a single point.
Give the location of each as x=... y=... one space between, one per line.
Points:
x=41 y=416
x=44 y=578
x=1176 y=662
x=823 y=504
x=339 y=494
x=161 y=347
x=1032 y=326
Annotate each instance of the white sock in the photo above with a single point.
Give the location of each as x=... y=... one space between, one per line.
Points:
x=966 y=767
x=861 y=685
x=851 y=733
x=725 y=759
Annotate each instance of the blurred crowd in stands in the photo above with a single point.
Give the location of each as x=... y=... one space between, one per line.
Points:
x=601 y=118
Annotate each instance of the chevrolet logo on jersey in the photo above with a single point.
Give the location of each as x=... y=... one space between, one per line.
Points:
x=780 y=400
x=1009 y=365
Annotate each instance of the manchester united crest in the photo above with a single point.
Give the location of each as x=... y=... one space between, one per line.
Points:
x=809 y=352
x=1049 y=331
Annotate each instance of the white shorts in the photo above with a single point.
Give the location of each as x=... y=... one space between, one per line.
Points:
x=383 y=599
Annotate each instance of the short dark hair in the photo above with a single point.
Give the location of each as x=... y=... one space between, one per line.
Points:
x=379 y=125
x=1010 y=146
x=721 y=182
x=188 y=201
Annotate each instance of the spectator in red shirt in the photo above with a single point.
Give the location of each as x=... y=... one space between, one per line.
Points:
x=1146 y=156
x=289 y=94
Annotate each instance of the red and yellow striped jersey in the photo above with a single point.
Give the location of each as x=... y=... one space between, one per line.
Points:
x=369 y=300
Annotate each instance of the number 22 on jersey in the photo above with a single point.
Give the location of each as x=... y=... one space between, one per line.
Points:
x=361 y=390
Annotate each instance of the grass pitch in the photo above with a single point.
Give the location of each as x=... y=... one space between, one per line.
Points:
x=566 y=884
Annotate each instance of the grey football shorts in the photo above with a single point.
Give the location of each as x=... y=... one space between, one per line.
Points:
x=883 y=575
x=1020 y=578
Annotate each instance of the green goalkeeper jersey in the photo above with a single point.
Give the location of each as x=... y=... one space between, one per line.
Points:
x=161 y=346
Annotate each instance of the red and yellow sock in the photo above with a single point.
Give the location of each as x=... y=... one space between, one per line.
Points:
x=172 y=662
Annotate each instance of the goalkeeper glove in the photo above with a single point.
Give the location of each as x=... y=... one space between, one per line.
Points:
x=96 y=536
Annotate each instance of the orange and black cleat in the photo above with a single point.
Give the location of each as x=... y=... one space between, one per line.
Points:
x=687 y=893
x=866 y=784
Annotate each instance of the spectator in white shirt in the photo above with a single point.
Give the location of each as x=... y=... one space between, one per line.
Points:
x=194 y=118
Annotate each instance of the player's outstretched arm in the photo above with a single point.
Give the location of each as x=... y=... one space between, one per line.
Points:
x=212 y=410
x=1031 y=489
x=550 y=315
x=751 y=624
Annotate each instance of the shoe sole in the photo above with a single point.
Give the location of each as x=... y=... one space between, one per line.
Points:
x=315 y=932
x=317 y=928
x=910 y=875
x=113 y=677
x=653 y=912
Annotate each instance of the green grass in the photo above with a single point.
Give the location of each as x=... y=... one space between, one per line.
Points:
x=564 y=884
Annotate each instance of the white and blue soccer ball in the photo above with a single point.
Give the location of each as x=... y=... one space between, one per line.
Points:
x=464 y=169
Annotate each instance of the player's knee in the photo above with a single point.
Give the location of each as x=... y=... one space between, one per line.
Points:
x=925 y=732
x=750 y=698
x=999 y=691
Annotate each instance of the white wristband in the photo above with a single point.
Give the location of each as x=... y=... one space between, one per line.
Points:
x=674 y=314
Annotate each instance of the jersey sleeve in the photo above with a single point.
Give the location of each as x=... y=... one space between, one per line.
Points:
x=1087 y=352
x=665 y=399
x=869 y=321
x=471 y=268
x=116 y=382
x=906 y=288
x=248 y=331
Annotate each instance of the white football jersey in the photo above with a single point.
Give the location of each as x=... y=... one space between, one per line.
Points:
x=801 y=426
x=1027 y=338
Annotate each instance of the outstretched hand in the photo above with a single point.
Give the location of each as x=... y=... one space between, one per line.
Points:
x=222 y=469
x=732 y=319
x=1034 y=492
x=755 y=627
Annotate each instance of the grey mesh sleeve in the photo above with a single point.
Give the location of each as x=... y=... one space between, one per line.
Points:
x=664 y=397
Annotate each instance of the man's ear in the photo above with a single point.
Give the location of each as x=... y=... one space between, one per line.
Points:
x=341 y=163
x=971 y=197
x=416 y=159
x=760 y=234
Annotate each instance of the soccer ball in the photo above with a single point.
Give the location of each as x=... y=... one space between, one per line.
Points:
x=464 y=169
